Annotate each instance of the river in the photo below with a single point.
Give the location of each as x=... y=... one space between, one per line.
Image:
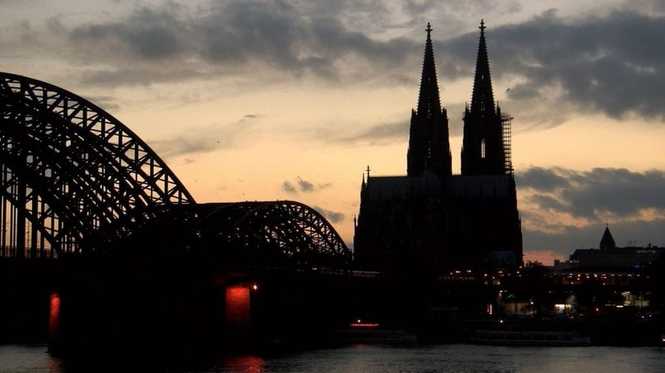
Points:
x=365 y=358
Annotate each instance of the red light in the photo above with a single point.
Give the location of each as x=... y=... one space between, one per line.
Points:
x=365 y=325
x=54 y=314
x=237 y=304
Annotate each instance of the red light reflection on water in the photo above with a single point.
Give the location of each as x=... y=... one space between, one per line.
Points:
x=244 y=364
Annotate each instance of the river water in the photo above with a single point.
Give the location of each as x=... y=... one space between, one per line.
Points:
x=365 y=358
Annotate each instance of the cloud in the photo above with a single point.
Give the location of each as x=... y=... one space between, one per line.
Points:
x=303 y=186
x=542 y=179
x=564 y=209
x=565 y=241
x=288 y=187
x=148 y=33
x=208 y=139
x=333 y=216
x=596 y=194
x=646 y=6
x=606 y=63
x=171 y=41
x=108 y=103
x=556 y=65
x=377 y=134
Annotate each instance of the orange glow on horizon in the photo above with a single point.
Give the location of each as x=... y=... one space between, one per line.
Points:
x=545 y=257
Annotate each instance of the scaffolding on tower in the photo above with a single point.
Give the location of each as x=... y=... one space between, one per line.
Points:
x=506 y=122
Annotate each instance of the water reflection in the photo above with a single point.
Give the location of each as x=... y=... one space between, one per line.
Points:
x=246 y=364
x=371 y=358
x=19 y=359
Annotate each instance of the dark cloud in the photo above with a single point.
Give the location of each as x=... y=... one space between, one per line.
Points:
x=148 y=33
x=235 y=36
x=646 y=6
x=288 y=187
x=303 y=186
x=609 y=64
x=569 y=238
x=596 y=193
x=542 y=179
x=333 y=216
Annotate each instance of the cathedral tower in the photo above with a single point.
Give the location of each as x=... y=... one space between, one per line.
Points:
x=484 y=146
x=429 y=149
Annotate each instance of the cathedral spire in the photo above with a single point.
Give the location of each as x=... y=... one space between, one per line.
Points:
x=482 y=100
x=484 y=145
x=429 y=149
x=428 y=99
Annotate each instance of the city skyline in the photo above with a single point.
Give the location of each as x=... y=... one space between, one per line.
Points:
x=312 y=106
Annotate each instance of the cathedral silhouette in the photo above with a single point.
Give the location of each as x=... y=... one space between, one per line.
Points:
x=431 y=220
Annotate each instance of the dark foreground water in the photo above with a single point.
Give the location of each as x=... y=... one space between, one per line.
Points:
x=362 y=358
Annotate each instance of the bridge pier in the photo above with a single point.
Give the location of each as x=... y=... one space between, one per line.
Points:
x=25 y=286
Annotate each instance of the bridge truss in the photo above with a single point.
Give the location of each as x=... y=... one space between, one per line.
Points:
x=271 y=234
x=72 y=177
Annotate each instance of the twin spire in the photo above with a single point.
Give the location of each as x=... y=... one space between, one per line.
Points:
x=428 y=98
x=484 y=145
x=482 y=99
x=429 y=149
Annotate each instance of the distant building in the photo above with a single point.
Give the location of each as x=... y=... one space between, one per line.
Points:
x=433 y=220
x=609 y=257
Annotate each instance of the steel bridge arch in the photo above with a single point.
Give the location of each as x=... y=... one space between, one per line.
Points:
x=272 y=234
x=77 y=175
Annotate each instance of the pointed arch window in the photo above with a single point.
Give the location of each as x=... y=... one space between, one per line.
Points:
x=482 y=149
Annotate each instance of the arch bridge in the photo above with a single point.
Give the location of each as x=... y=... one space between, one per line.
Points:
x=75 y=180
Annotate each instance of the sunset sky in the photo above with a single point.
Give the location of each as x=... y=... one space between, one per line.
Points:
x=292 y=99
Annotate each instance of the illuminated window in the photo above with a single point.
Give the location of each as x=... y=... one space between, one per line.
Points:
x=563 y=308
x=482 y=148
